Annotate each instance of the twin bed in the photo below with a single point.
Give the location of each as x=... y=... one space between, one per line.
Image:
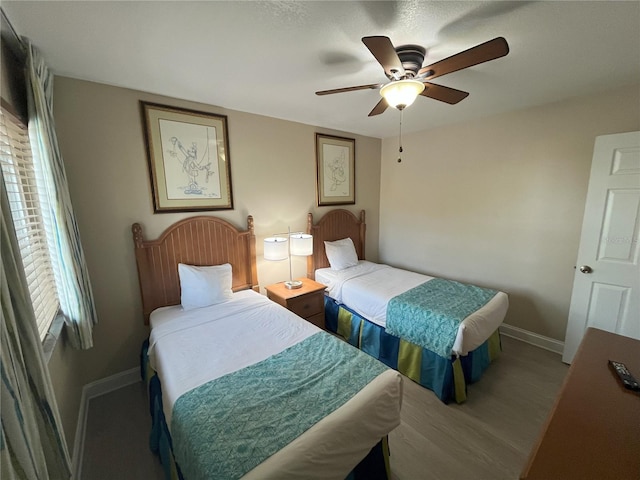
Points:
x=393 y=314
x=239 y=386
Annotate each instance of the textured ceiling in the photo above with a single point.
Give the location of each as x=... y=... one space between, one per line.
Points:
x=269 y=57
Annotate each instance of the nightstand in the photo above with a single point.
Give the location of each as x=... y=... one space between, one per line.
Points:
x=306 y=301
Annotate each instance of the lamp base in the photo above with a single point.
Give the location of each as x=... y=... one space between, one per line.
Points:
x=293 y=284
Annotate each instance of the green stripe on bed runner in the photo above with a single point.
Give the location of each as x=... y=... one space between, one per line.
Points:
x=226 y=427
x=429 y=315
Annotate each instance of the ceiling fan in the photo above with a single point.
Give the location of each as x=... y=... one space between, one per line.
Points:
x=408 y=78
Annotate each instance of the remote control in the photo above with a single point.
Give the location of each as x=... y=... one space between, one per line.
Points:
x=627 y=379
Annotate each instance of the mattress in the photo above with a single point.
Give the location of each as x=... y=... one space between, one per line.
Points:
x=190 y=348
x=366 y=288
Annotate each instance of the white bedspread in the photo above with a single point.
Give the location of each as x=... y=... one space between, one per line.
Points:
x=189 y=348
x=367 y=288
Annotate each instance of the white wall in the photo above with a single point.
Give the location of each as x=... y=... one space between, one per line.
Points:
x=499 y=201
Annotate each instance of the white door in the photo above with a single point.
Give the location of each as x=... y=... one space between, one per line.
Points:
x=607 y=280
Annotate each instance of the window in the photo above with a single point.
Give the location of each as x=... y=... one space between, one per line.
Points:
x=30 y=211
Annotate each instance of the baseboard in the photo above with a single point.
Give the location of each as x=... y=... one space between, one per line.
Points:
x=89 y=391
x=551 y=344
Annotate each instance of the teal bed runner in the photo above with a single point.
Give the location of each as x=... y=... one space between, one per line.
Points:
x=429 y=315
x=226 y=427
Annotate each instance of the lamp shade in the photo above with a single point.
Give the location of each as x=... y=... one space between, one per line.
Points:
x=401 y=93
x=276 y=248
x=301 y=244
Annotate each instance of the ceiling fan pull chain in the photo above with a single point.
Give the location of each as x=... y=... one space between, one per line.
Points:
x=400 y=137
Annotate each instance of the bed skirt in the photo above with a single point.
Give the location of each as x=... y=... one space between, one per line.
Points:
x=447 y=378
x=375 y=466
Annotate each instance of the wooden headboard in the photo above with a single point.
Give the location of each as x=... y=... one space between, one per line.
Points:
x=334 y=225
x=200 y=241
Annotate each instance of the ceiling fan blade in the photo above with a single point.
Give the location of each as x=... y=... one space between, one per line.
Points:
x=349 y=89
x=380 y=107
x=385 y=53
x=444 y=94
x=484 y=52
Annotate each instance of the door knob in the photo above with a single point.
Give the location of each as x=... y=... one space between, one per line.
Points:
x=586 y=269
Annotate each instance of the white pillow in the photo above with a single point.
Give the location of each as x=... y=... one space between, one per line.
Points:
x=341 y=254
x=204 y=286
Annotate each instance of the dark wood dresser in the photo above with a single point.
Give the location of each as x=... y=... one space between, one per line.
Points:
x=593 y=430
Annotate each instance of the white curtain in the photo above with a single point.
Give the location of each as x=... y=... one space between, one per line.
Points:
x=32 y=445
x=74 y=289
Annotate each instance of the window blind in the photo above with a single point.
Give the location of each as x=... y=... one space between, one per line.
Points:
x=30 y=211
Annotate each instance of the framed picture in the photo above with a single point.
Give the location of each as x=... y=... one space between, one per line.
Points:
x=189 y=162
x=336 y=170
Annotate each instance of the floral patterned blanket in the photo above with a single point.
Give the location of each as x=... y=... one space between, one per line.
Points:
x=226 y=427
x=429 y=315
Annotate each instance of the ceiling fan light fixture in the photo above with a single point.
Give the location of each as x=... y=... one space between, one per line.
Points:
x=401 y=93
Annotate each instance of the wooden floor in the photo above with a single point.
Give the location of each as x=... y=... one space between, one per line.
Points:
x=488 y=437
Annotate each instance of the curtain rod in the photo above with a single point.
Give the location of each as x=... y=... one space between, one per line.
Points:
x=11 y=37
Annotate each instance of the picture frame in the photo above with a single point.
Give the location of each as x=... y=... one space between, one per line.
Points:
x=336 y=170
x=189 y=162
